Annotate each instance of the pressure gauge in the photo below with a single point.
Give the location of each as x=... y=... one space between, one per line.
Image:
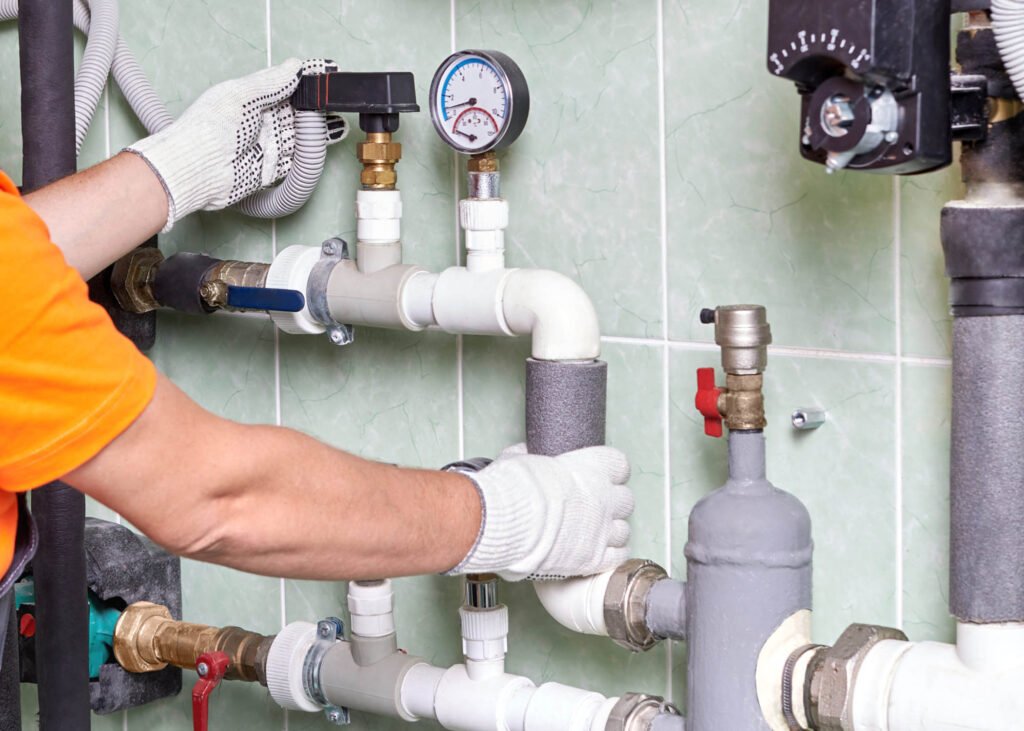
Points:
x=479 y=101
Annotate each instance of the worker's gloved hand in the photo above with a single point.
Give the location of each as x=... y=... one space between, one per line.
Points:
x=552 y=517
x=235 y=139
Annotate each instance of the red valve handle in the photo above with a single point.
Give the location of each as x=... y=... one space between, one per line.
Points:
x=215 y=664
x=707 y=401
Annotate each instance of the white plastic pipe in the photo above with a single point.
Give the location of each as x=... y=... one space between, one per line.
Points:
x=928 y=686
x=378 y=229
x=577 y=604
x=371 y=608
x=501 y=702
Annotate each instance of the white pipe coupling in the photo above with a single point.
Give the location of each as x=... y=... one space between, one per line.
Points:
x=371 y=607
x=484 y=640
x=484 y=222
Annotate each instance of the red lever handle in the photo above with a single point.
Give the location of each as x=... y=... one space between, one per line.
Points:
x=707 y=401
x=211 y=667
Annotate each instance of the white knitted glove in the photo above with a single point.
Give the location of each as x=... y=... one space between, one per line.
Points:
x=235 y=139
x=552 y=517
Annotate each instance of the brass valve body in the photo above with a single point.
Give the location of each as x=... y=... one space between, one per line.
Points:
x=147 y=639
x=379 y=155
x=486 y=162
x=742 y=402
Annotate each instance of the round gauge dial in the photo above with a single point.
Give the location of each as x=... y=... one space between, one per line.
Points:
x=479 y=101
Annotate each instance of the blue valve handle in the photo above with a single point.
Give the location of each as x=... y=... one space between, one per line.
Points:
x=264 y=298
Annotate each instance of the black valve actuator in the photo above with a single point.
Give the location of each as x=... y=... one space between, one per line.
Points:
x=873 y=77
x=377 y=97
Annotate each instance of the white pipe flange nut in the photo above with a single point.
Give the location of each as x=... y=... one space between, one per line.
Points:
x=290 y=270
x=484 y=633
x=285 y=667
x=378 y=216
x=484 y=222
x=371 y=608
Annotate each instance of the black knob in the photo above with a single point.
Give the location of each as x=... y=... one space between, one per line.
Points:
x=707 y=316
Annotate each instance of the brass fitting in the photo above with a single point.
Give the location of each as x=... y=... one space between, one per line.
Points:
x=742 y=402
x=131 y=281
x=147 y=639
x=379 y=155
x=485 y=162
x=231 y=273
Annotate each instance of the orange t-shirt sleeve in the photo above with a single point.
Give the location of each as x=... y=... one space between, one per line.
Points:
x=70 y=383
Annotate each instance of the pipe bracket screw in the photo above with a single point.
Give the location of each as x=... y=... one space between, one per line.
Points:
x=808 y=418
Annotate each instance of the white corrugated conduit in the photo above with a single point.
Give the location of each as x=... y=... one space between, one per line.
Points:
x=107 y=53
x=1008 y=26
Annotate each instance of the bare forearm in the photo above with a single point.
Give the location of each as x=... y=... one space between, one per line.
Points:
x=100 y=214
x=273 y=501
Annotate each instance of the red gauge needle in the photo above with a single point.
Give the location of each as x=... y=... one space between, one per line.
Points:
x=469 y=103
x=471 y=138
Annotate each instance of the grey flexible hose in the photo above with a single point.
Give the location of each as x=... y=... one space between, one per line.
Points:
x=106 y=52
x=1008 y=26
x=308 y=161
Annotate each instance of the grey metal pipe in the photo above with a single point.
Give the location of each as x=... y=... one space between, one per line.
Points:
x=987 y=470
x=748 y=570
x=46 y=43
x=666 y=610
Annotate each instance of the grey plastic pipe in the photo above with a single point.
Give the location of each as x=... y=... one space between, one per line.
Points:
x=106 y=52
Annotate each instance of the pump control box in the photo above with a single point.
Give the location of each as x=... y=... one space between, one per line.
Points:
x=873 y=78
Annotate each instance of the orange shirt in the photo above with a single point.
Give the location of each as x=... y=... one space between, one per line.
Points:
x=69 y=381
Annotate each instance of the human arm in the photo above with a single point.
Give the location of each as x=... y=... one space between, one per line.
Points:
x=102 y=213
x=273 y=501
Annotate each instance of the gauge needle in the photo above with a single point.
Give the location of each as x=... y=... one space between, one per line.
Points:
x=467 y=103
x=471 y=138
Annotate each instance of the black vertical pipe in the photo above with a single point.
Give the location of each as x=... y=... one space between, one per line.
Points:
x=48 y=147
x=10 y=687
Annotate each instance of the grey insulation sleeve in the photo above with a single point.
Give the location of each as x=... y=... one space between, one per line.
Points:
x=986 y=577
x=95 y=66
x=565 y=405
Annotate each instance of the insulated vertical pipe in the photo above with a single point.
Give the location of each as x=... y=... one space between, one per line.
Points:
x=987 y=470
x=48 y=147
x=748 y=563
x=10 y=686
x=565 y=405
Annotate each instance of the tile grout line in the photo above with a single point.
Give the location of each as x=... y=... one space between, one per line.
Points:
x=790 y=351
x=460 y=391
x=282 y=584
x=106 y=150
x=666 y=385
x=898 y=410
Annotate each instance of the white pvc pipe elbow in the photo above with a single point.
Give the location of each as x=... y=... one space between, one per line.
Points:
x=555 y=311
x=576 y=604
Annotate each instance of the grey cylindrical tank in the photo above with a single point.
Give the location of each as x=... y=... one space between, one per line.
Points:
x=748 y=569
x=987 y=470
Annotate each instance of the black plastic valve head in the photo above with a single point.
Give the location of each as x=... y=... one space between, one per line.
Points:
x=378 y=97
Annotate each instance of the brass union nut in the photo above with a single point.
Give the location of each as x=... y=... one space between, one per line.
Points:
x=132 y=278
x=379 y=152
x=485 y=163
x=378 y=178
x=134 y=635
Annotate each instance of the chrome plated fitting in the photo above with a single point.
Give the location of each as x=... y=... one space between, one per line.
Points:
x=625 y=604
x=832 y=675
x=637 y=711
x=744 y=334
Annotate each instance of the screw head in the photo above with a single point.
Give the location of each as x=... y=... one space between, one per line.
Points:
x=202 y=668
x=336 y=337
x=329 y=248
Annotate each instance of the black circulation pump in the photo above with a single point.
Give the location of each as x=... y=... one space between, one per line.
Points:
x=873 y=77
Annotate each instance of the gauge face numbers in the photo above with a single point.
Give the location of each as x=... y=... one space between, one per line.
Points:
x=479 y=101
x=471 y=103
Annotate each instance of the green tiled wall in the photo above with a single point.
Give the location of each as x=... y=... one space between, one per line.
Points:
x=660 y=170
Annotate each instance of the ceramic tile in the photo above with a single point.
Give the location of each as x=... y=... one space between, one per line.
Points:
x=749 y=220
x=582 y=182
x=10 y=113
x=926 y=424
x=927 y=329
x=494 y=398
x=843 y=471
